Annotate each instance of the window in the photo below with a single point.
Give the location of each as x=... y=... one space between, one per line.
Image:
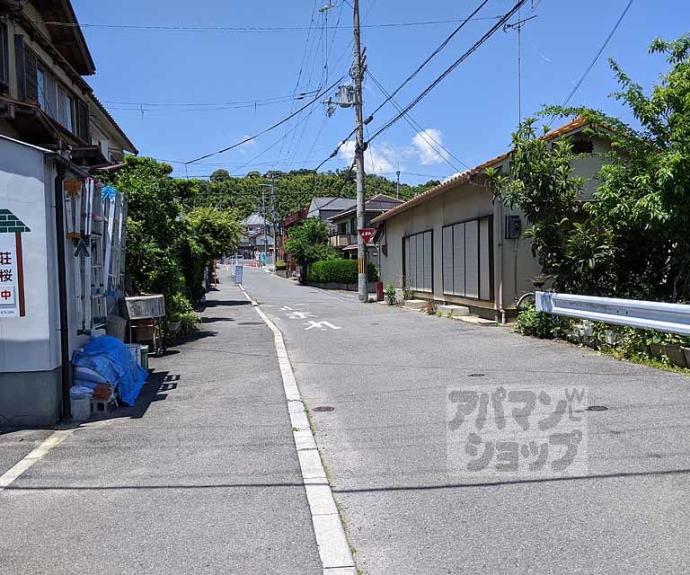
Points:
x=4 y=59
x=65 y=109
x=42 y=84
x=467 y=259
x=418 y=261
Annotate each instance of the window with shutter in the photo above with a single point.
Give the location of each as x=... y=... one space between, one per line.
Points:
x=4 y=59
x=467 y=258
x=20 y=68
x=30 y=76
x=419 y=261
x=83 y=120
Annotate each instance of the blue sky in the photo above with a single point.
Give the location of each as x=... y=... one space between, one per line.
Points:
x=197 y=88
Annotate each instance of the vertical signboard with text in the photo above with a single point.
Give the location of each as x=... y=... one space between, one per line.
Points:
x=12 y=302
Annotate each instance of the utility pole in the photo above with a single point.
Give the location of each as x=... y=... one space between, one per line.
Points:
x=263 y=209
x=273 y=220
x=357 y=76
x=397 y=185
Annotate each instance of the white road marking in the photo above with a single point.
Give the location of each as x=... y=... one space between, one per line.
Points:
x=334 y=551
x=300 y=315
x=322 y=325
x=9 y=477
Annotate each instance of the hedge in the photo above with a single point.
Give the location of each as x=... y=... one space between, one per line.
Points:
x=338 y=271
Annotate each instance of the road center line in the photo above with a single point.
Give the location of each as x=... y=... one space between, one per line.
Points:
x=334 y=550
x=55 y=439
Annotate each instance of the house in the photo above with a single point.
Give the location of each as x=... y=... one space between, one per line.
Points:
x=324 y=208
x=44 y=99
x=62 y=238
x=62 y=233
x=456 y=244
x=258 y=236
x=289 y=221
x=344 y=224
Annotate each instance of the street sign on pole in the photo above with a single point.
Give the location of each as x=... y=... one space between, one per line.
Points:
x=367 y=234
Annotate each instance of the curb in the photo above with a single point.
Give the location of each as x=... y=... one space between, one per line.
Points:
x=334 y=550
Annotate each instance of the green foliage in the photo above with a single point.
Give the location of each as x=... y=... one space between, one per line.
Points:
x=218 y=232
x=178 y=308
x=280 y=265
x=632 y=240
x=537 y=323
x=168 y=245
x=541 y=184
x=391 y=294
x=308 y=242
x=293 y=190
x=338 y=271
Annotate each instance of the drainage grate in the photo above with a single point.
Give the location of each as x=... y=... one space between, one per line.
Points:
x=476 y=375
x=321 y=408
x=597 y=408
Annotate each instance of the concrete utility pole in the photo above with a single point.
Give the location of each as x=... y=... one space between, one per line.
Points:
x=273 y=220
x=263 y=209
x=357 y=76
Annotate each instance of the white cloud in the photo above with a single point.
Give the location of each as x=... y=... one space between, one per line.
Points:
x=381 y=159
x=427 y=145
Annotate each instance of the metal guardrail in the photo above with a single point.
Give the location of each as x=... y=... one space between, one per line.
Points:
x=665 y=317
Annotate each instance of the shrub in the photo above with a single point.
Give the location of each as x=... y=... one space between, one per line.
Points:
x=537 y=323
x=338 y=271
x=391 y=294
x=280 y=265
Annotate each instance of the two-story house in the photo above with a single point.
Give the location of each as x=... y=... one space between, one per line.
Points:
x=44 y=99
x=344 y=224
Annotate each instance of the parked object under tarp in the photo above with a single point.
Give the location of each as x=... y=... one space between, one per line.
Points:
x=110 y=358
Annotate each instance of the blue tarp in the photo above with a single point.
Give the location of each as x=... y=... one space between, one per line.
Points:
x=109 y=357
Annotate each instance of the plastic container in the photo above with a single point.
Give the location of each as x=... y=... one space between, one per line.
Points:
x=145 y=357
x=81 y=408
x=135 y=352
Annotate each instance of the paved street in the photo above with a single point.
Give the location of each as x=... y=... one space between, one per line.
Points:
x=386 y=372
x=200 y=477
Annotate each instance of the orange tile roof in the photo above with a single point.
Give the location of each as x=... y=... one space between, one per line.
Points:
x=464 y=177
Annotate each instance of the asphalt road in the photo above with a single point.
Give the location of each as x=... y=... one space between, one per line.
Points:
x=387 y=373
x=201 y=476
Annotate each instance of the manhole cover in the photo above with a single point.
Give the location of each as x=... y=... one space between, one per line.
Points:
x=476 y=375
x=597 y=408
x=324 y=408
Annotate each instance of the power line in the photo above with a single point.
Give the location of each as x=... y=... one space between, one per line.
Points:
x=450 y=69
x=463 y=22
x=435 y=145
x=599 y=53
x=437 y=51
x=268 y=100
x=189 y=28
x=272 y=127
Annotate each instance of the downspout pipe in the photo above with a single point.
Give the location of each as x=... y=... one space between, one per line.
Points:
x=66 y=411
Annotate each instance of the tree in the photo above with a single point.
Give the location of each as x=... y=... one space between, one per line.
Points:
x=220 y=176
x=540 y=183
x=308 y=242
x=632 y=240
x=218 y=232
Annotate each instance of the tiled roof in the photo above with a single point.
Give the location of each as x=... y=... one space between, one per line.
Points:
x=11 y=224
x=464 y=177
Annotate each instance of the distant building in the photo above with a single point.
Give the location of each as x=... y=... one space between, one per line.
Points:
x=344 y=224
x=325 y=208
x=257 y=237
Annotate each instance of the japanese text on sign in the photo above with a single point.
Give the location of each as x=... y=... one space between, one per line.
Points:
x=495 y=432
x=9 y=301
